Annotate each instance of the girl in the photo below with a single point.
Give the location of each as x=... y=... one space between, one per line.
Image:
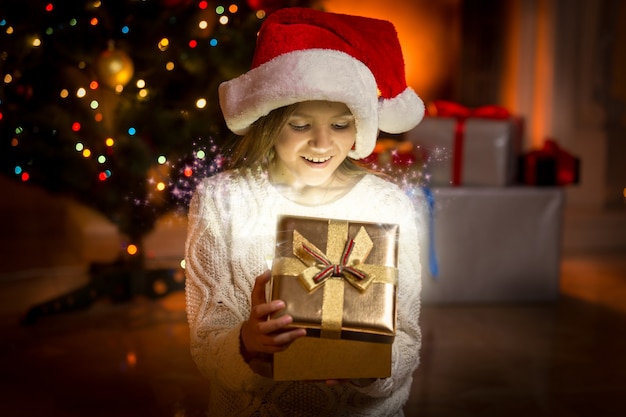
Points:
x=321 y=86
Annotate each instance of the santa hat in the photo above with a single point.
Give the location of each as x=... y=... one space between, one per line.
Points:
x=306 y=54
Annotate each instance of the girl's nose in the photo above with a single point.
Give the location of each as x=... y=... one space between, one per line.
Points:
x=321 y=139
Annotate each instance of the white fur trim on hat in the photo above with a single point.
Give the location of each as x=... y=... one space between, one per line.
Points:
x=305 y=75
x=400 y=113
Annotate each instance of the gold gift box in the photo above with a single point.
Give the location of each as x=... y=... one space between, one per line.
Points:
x=338 y=280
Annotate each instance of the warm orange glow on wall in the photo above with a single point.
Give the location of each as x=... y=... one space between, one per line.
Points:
x=429 y=33
x=544 y=65
x=528 y=76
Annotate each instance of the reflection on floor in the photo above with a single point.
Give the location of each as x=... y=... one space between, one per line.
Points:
x=131 y=359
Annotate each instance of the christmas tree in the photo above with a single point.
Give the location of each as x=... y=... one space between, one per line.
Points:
x=114 y=103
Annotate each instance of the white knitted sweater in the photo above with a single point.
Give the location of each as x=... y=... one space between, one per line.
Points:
x=231 y=236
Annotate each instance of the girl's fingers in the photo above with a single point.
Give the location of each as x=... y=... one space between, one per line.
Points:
x=262 y=335
x=281 y=341
x=286 y=338
x=261 y=311
x=258 y=291
x=274 y=325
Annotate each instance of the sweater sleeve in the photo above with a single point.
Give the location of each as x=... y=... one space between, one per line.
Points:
x=217 y=304
x=407 y=343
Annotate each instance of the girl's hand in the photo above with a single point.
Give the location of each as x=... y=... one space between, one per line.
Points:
x=259 y=335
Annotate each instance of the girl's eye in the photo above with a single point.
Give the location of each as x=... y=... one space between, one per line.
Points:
x=298 y=127
x=340 y=126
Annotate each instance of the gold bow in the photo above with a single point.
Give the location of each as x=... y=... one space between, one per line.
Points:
x=343 y=259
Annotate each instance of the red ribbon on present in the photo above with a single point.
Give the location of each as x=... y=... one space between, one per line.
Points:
x=443 y=108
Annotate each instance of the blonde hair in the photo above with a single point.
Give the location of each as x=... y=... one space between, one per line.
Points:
x=256 y=146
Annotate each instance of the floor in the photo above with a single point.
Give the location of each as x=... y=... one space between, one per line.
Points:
x=131 y=358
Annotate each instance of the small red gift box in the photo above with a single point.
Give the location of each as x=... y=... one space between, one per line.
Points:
x=550 y=165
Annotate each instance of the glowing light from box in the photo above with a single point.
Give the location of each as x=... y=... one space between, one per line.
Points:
x=132 y=249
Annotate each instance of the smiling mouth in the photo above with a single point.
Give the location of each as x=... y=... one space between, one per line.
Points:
x=317 y=160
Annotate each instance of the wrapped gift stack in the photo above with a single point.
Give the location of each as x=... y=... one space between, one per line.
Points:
x=495 y=211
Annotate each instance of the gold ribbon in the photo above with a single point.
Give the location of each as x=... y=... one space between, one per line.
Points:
x=306 y=267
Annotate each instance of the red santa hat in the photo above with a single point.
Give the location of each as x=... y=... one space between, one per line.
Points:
x=306 y=54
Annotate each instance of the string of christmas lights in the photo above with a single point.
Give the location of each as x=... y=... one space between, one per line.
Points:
x=115 y=103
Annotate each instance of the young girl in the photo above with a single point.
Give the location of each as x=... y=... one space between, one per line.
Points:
x=321 y=86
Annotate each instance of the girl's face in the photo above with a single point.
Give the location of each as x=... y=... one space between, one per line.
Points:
x=313 y=143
